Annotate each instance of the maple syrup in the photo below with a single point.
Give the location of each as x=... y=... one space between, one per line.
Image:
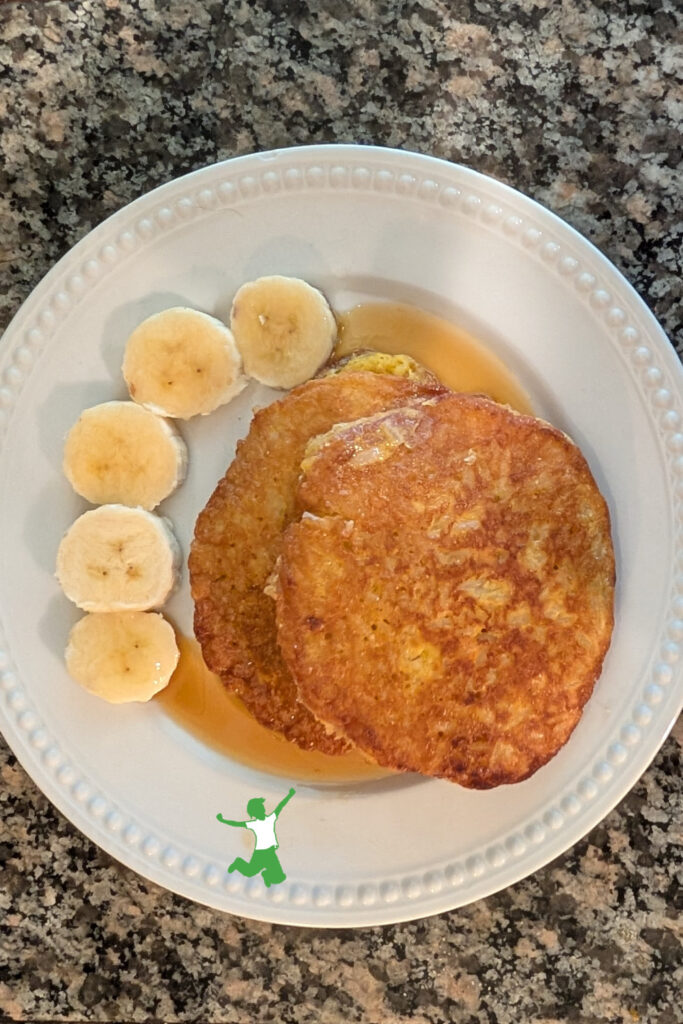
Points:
x=458 y=360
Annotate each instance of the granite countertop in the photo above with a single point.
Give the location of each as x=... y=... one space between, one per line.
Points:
x=574 y=103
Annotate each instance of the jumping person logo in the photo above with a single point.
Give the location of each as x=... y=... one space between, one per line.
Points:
x=264 y=859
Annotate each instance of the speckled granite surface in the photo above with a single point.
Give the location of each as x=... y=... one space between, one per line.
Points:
x=576 y=104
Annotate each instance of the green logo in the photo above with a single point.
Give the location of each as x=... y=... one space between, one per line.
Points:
x=264 y=859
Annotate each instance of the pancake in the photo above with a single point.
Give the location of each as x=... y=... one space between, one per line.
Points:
x=379 y=362
x=238 y=538
x=446 y=599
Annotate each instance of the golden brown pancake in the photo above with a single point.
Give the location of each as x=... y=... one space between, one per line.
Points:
x=446 y=600
x=238 y=539
x=379 y=362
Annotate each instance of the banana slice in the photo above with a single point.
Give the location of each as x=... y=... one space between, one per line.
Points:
x=284 y=330
x=122 y=657
x=116 y=559
x=182 y=363
x=121 y=452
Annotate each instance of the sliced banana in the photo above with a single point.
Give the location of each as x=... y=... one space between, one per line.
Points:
x=182 y=363
x=121 y=452
x=122 y=657
x=284 y=329
x=115 y=559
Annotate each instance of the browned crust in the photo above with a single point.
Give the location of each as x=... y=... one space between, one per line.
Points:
x=448 y=605
x=238 y=539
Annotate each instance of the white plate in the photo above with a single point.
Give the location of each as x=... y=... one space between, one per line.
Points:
x=361 y=224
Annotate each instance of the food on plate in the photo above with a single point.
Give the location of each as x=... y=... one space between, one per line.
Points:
x=120 y=452
x=445 y=598
x=122 y=656
x=380 y=362
x=116 y=558
x=284 y=329
x=238 y=539
x=421 y=576
x=197 y=700
x=182 y=363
